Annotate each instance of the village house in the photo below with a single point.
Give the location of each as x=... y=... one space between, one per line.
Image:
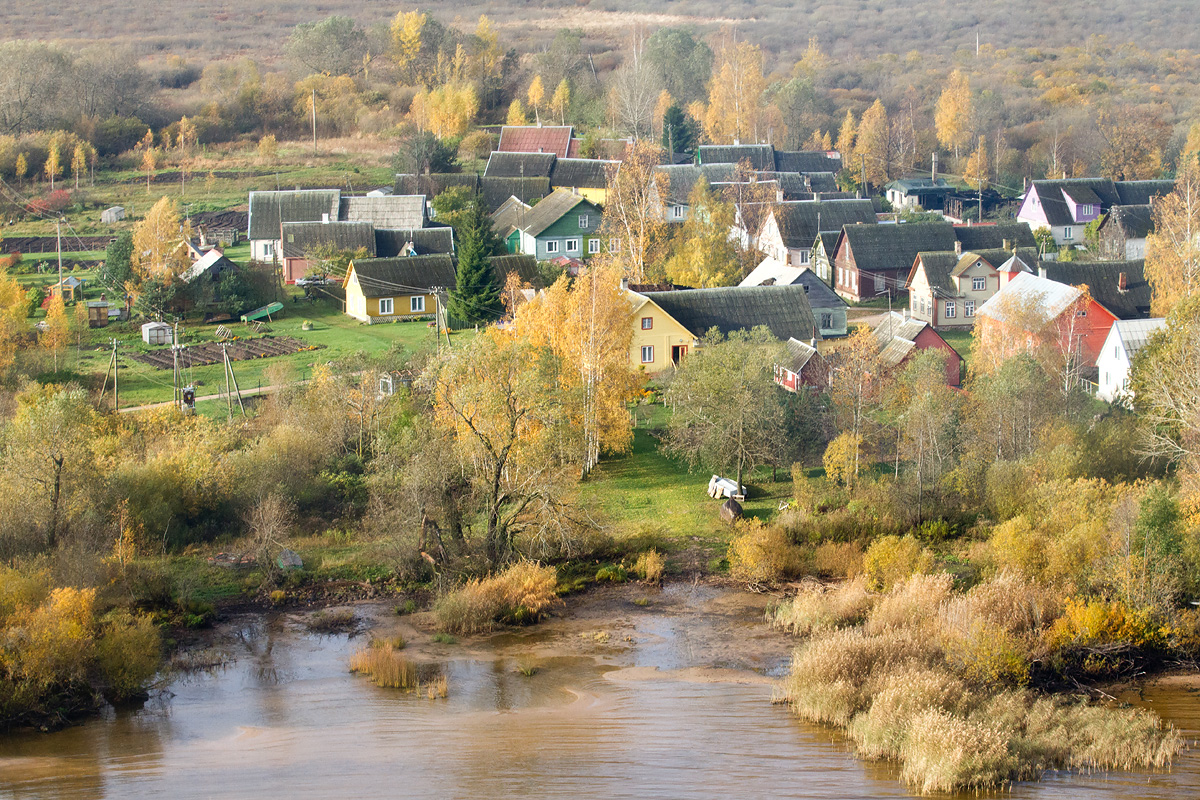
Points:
x=1124 y=340
x=493 y=191
x=270 y=210
x=563 y=224
x=765 y=158
x=212 y=266
x=875 y=260
x=1120 y=286
x=667 y=324
x=519 y=165
x=1122 y=233
x=821 y=258
x=946 y=288
x=554 y=139
x=827 y=307
x=680 y=180
x=432 y=240
x=1032 y=311
x=302 y=239
x=586 y=177
x=1067 y=206
x=801 y=368
x=788 y=232
x=899 y=337
x=912 y=194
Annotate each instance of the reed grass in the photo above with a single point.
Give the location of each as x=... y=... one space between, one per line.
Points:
x=520 y=594
x=386 y=667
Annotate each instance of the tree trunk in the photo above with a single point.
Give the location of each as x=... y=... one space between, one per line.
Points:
x=55 y=493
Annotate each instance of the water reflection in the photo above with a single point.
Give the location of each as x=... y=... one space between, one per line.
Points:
x=286 y=719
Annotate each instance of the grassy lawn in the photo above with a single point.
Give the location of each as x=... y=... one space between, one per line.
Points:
x=647 y=494
x=961 y=342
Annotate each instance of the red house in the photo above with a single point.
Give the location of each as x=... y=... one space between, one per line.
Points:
x=899 y=337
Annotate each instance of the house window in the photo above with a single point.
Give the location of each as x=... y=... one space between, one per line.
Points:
x=583 y=221
x=949 y=309
x=978 y=284
x=677 y=212
x=647 y=323
x=1117 y=352
x=1068 y=234
x=803 y=256
x=572 y=245
x=385 y=305
x=1085 y=210
x=593 y=246
x=1081 y=311
x=879 y=282
x=648 y=354
x=826 y=321
x=614 y=245
x=969 y=308
x=551 y=247
x=269 y=249
x=416 y=304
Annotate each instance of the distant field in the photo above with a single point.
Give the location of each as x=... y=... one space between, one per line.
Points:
x=207 y=28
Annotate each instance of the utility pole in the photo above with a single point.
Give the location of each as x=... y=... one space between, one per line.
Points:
x=229 y=376
x=314 y=120
x=175 y=367
x=112 y=369
x=58 y=230
x=862 y=163
x=980 y=217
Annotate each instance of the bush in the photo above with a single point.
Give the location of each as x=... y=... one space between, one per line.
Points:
x=649 y=566
x=819 y=609
x=386 y=667
x=891 y=559
x=519 y=594
x=128 y=653
x=763 y=554
x=838 y=559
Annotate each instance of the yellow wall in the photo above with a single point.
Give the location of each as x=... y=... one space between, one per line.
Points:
x=665 y=334
x=597 y=196
x=366 y=309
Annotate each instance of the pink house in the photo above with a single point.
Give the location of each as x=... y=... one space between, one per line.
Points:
x=1066 y=206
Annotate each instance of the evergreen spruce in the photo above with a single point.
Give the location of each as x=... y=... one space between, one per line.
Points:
x=476 y=298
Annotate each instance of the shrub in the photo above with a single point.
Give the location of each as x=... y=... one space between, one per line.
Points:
x=519 y=594
x=946 y=753
x=915 y=603
x=763 y=554
x=891 y=559
x=818 y=609
x=1091 y=623
x=649 y=566
x=987 y=654
x=386 y=667
x=838 y=559
x=128 y=653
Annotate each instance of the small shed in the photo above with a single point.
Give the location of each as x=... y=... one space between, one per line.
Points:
x=70 y=287
x=112 y=214
x=97 y=313
x=156 y=333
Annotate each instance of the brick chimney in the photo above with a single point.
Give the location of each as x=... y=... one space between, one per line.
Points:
x=1123 y=282
x=1008 y=245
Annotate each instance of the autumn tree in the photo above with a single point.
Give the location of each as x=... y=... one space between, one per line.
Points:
x=977 y=170
x=871 y=145
x=633 y=223
x=447 y=110
x=536 y=94
x=22 y=168
x=53 y=166
x=79 y=162
x=156 y=243
x=846 y=134
x=332 y=46
x=927 y=420
x=516 y=114
x=1173 y=246
x=57 y=333
x=79 y=322
x=952 y=118
x=1165 y=380
x=561 y=101
x=635 y=91
x=661 y=105
x=1134 y=139
x=704 y=256
x=752 y=200
x=729 y=414
x=735 y=95
x=854 y=383
x=149 y=156
x=12 y=321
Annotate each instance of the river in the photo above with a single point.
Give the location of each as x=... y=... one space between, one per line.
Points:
x=666 y=700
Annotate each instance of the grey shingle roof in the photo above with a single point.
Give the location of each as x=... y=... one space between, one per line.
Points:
x=990 y=237
x=509 y=216
x=806 y=161
x=385 y=277
x=525 y=266
x=783 y=309
x=1050 y=193
x=800 y=352
x=760 y=156
x=682 y=178
x=1134 y=221
x=269 y=209
x=494 y=191
x=878 y=247
x=800 y=221
x=897 y=326
x=392 y=211
x=426 y=241
x=819 y=293
x=1103 y=281
x=299 y=238
x=1134 y=193
x=938 y=265
x=581 y=173
x=550 y=210
x=995 y=256
x=519 y=165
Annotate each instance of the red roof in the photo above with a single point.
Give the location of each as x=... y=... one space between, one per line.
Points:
x=534 y=139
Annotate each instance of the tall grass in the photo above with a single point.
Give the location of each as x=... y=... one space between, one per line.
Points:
x=384 y=665
x=935 y=680
x=519 y=594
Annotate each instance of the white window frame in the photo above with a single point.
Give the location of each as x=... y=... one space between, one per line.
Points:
x=950 y=309
x=583 y=221
x=268 y=249
x=552 y=246
x=648 y=350
x=803 y=256
x=978 y=284
x=676 y=212
x=386 y=306
x=593 y=246
x=572 y=245
x=416 y=304
x=969 y=308
x=614 y=245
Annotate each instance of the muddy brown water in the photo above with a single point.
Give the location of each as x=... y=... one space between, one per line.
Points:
x=669 y=700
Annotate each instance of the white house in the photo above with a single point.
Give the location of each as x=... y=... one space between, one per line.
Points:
x=1125 y=339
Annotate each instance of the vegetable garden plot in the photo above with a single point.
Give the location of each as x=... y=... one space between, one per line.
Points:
x=199 y=355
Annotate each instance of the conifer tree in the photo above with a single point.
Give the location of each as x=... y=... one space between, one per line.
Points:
x=476 y=298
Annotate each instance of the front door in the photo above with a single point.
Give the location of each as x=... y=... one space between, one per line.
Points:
x=678 y=351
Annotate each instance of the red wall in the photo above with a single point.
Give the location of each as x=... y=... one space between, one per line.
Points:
x=928 y=339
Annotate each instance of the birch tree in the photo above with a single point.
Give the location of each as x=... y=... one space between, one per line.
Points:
x=633 y=224
x=1173 y=248
x=952 y=117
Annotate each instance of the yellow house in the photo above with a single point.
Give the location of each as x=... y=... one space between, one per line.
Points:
x=659 y=341
x=389 y=289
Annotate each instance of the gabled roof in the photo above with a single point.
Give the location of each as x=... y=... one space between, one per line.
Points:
x=525 y=266
x=760 y=156
x=995 y=258
x=800 y=352
x=920 y=185
x=493 y=191
x=800 y=221
x=509 y=215
x=771 y=272
x=990 y=237
x=1052 y=195
x=878 y=247
x=783 y=309
x=549 y=211
x=384 y=211
x=806 y=161
x=299 y=238
x=581 y=173
x=1052 y=297
x=682 y=178
x=426 y=241
x=269 y=209
x=554 y=139
x=1132 y=193
x=1103 y=279
x=1134 y=221
x=828 y=240
x=519 y=165
x=895 y=325
x=386 y=277
x=213 y=259
x=1135 y=333
x=937 y=264
x=822 y=182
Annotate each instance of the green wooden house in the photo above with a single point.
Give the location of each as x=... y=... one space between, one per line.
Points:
x=562 y=224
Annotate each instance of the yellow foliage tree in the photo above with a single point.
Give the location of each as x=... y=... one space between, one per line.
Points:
x=149 y=156
x=735 y=94
x=1173 y=247
x=53 y=166
x=79 y=162
x=12 y=321
x=704 y=256
x=846 y=134
x=57 y=332
x=872 y=145
x=488 y=55
x=978 y=170
x=80 y=322
x=952 y=118
x=843 y=458
x=561 y=100
x=633 y=224
x=406 y=31
x=516 y=114
x=22 y=167
x=536 y=94
x=156 y=243
x=447 y=110
x=664 y=102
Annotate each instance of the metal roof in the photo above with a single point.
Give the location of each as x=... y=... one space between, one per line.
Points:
x=554 y=139
x=1136 y=333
